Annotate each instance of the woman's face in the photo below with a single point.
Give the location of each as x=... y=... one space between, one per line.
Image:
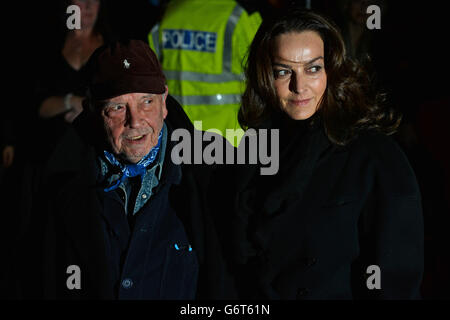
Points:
x=299 y=70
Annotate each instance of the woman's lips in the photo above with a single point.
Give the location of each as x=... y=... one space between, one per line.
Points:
x=300 y=102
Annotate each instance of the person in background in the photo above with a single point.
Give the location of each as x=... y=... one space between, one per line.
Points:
x=62 y=80
x=202 y=58
x=357 y=37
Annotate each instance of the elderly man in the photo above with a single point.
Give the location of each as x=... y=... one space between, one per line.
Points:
x=112 y=199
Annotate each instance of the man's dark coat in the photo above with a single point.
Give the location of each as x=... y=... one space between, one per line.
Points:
x=65 y=226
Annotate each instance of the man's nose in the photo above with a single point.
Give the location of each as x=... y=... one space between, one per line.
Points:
x=297 y=83
x=134 y=119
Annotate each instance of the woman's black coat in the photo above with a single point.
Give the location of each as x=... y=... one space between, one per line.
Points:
x=360 y=207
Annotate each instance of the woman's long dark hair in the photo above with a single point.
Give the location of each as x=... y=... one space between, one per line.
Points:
x=350 y=103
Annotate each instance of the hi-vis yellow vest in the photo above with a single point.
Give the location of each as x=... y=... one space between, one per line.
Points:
x=201 y=45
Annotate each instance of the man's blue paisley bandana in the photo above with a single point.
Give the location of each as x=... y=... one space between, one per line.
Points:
x=133 y=170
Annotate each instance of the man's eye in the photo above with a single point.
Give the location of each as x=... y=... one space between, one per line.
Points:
x=117 y=107
x=114 y=109
x=148 y=101
x=281 y=73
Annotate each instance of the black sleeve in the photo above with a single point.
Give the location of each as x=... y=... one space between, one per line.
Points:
x=391 y=228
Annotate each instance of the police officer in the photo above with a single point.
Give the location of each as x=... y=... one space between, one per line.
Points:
x=201 y=45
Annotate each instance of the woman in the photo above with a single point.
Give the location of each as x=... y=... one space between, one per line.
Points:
x=62 y=78
x=342 y=218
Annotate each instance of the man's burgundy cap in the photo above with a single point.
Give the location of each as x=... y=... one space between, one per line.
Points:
x=124 y=67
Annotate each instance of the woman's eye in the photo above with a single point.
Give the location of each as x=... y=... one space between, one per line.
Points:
x=281 y=73
x=315 y=69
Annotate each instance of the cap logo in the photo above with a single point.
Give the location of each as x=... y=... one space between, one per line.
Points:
x=126 y=64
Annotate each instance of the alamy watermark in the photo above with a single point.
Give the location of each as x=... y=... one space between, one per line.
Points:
x=74 y=20
x=74 y=280
x=374 y=280
x=256 y=146
x=374 y=20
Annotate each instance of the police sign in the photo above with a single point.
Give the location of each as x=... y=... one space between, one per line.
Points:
x=189 y=40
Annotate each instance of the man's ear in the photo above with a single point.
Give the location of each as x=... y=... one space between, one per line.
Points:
x=165 y=94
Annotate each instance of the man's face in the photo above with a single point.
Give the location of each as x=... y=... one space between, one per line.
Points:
x=133 y=122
